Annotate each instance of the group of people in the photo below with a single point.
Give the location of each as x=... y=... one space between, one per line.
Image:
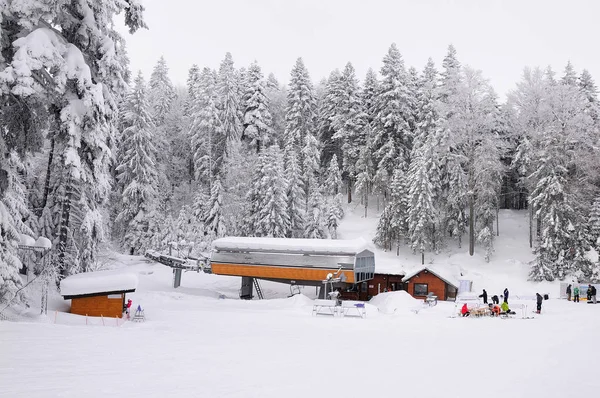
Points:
x=591 y=294
x=497 y=309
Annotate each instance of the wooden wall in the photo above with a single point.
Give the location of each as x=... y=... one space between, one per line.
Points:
x=99 y=306
x=278 y=272
x=434 y=285
x=378 y=284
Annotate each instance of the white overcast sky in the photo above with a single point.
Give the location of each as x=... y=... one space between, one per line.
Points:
x=498 y=37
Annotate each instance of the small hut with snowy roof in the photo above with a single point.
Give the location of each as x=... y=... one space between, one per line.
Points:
x=423 y=281
x=100 y=293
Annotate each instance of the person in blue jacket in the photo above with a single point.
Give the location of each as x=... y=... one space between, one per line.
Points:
x=506 y=295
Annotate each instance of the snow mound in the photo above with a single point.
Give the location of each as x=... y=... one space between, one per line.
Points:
x=394 y=302
x=300 y=300
x=97 y=282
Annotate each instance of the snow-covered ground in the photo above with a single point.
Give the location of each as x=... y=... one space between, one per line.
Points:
x=201 y=341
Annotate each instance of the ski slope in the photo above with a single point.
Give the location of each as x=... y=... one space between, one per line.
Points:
x=201 y=341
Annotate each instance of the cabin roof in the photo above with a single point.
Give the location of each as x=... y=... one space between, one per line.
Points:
x=440 y=274
x=98 y=283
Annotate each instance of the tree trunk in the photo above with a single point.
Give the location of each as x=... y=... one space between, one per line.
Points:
x=471 y=225
x=530 y=226
x=64 y=226
x=349 y=190
x=422 y=258
x=497 y=221
x=47 y=182
x=366 y=203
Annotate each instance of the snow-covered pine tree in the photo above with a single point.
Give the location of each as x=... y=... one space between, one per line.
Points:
x=590 y=91
x=594 y=224
x=333 y=178
x=315 y=218
x=214 y=221
x=193 y=88
x=296 y=201
x=365 y=170
x=310 y=166
x=335 y=213
x=272 y=219
x=80 y=76
x=257 y=117
x=229 y=105
x=421 y=213
x=569 y=76
x=136 y=168
x=301 y=108
x=206 y=130
x=349 y=124
x=328 y=111
x=237 y=181
x=393 y=223
x=277 y=105
x=161 y=92
x=391 y=110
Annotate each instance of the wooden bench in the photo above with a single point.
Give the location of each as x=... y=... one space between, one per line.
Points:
x=353 y=309
x=325 y=307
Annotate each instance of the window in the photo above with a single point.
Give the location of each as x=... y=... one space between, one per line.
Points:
x=421 y=289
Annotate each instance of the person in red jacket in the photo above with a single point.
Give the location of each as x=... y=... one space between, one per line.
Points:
x=127 y=307
x=465 y=310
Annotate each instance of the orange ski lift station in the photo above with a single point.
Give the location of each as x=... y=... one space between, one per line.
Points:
x=307 y=262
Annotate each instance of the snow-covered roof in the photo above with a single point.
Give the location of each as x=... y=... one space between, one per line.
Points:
x=288 y=245
x=90 y=283
x=440 y=274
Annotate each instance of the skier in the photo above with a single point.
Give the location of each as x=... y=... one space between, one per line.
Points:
x=576 y=294
x=506 y=295
x=569 y=292
x=484 y=295
x=539 y=302
x=593 y=293
x=465 y=310
x=589 y=294
x=496 y=310
x=495 y=299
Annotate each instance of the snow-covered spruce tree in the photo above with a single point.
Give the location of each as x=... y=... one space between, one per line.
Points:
x=349 y=124
x=277 y=105
x=594 y=223
x=229 y=102
x=393 y=223
x=333 y=178
x=13 y=210
x=80 y=75
x=590 y=91
x=237 y=181
x=328 y=110
x=570 y=77
x=335 y=212
x=272 y=219
x=296 y=201
x=310 y=166
x=421 y=217
x=136 y=169
x=301 y=108
x=193 y=88
x=391 y=111
x=257 y=117
x=206 y=130
x=161 y=91
x=214 y=221
x=365 y=171
x=315 y=218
